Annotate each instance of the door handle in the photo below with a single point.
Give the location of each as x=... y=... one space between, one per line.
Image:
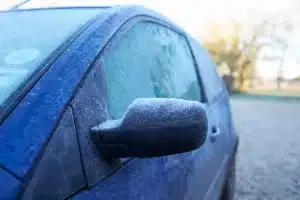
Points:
x=215 y=132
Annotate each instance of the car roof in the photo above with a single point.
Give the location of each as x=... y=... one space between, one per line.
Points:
x=30 y=124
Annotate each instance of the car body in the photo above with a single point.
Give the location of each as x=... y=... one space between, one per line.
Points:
x=83 y=75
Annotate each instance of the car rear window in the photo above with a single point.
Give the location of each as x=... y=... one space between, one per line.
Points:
x=28 y=38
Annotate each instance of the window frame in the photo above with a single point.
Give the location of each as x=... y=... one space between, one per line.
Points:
x=125 y=27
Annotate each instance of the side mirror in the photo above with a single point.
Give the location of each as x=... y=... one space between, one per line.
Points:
x=153 y=127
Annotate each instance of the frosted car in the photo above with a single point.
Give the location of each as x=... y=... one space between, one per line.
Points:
x=110 y=103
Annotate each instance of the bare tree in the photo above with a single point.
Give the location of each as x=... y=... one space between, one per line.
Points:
x=276 y=34
x=238 y=53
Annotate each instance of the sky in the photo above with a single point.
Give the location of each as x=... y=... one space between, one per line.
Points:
x=196 y=16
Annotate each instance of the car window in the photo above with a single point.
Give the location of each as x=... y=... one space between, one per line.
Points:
x=27 y=40
x=149 y=60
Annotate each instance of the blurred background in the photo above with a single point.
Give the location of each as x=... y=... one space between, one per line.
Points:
x=256 y=46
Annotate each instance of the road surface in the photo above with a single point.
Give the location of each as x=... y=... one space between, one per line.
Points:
x=268 y=164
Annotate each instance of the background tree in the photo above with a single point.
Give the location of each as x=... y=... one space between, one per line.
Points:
x=236 y=54
x=276 y=37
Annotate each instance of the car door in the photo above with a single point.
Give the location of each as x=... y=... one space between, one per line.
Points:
x=145 y=58
x=221 y=126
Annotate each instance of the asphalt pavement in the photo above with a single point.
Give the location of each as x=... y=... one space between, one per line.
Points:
x=268 y=163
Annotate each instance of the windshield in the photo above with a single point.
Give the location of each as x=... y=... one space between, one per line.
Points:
x=28 y=38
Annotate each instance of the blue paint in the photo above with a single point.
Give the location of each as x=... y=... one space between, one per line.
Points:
x=40 y=109
x=196 y=175
x=168 y=177
x=8 y=186
x=31 y=123
x=26 y=129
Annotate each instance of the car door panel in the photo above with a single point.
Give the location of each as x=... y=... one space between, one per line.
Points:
x=182 y=176
x=219 y=110
x=217 y=157
x=173 y=177
x=58 y=173
x=9 y=185
x=223 y=142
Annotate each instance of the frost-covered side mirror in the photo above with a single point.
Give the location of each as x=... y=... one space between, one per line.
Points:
x=153 y=127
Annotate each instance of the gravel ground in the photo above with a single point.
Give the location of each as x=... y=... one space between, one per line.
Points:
x=268 y=165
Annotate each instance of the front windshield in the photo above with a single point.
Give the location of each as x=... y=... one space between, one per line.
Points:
x=28 y=38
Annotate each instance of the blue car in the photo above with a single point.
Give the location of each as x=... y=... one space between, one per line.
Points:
x=110 y=103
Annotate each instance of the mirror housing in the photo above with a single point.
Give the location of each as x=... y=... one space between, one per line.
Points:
x=153 y=127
